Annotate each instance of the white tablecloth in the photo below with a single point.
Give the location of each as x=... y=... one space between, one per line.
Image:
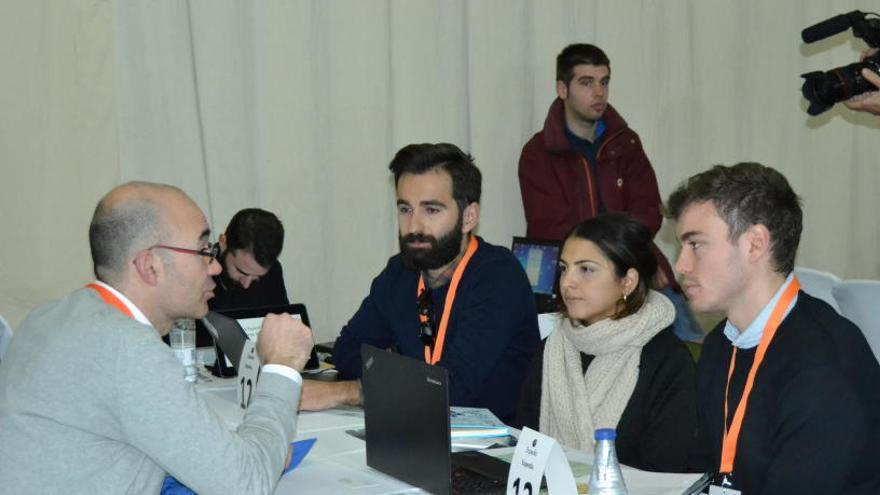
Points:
x=337 y=461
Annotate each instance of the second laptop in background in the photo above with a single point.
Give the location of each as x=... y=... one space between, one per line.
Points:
x=539 y=258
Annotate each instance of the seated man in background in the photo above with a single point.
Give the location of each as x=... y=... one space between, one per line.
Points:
x=252 y=275
x=787 y=392
x=92 y=401
x=449 y=297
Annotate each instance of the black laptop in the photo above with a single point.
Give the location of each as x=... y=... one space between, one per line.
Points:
x=228 y=329
x=406 y=417
x=539 y=258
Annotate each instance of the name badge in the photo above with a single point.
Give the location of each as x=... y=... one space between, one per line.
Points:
x=720 y=490
x=248 y=372
x=537 y=456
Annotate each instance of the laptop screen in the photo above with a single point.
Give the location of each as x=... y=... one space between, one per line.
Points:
x=251 y=321
x=539 y=259
x=253 y=325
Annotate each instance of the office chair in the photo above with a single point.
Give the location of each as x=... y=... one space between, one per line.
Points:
x=818 y=284
x=858 y=301
x=5 y=336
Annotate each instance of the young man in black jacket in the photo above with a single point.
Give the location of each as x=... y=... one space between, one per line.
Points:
x=787 y=390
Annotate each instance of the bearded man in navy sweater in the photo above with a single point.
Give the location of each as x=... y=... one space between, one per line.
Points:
x=448 y=297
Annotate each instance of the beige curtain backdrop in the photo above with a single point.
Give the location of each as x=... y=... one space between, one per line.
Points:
x=297 y=107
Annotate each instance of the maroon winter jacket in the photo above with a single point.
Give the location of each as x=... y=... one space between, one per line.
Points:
x=559 y=189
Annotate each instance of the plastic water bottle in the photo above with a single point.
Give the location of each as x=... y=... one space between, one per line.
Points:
x=606 y=478
x=183 y=342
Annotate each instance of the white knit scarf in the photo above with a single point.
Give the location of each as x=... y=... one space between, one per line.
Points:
x=574 y=404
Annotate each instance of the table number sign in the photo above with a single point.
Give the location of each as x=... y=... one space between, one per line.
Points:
x=537 y=456
x=248 y=371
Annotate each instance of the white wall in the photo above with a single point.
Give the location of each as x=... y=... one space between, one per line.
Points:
x=58 y=144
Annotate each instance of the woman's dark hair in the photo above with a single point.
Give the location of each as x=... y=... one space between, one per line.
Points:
x=627 y=244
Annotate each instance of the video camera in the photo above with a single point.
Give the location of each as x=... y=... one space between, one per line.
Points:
x=824 y=89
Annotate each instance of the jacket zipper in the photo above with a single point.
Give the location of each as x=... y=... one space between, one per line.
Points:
x=589 y=175
x=590 y=188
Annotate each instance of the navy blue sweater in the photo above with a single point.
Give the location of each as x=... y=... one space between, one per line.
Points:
x=490 y=340
x=813 y=419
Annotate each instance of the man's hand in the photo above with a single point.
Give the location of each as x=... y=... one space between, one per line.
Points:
x=870 y=101
x=284 y=340
x=317 y=395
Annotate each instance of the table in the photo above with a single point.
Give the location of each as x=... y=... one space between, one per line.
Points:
x=337 y=461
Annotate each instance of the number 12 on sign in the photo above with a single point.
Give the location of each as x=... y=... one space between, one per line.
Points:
x=248 y=371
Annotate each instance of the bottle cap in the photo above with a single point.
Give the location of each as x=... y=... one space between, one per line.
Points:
x=605 y=434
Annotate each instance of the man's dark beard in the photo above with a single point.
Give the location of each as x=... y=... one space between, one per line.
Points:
x=231 y=286
x=441 y=252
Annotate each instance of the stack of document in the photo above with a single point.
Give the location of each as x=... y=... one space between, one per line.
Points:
x=475 y=422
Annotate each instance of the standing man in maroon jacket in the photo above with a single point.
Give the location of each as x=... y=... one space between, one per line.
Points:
x=587 y=161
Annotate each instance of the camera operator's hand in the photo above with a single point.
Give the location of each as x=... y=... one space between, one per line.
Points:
x=870 y=101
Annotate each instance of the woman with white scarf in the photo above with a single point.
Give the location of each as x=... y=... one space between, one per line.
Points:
x=613 y=361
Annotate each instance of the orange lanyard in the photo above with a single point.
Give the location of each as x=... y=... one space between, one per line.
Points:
x=731 y=436
x=111 y=299
x=434 y=358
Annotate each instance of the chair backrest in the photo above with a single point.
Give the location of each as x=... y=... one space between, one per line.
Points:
x=5 y=337
x=818 y=284
x=859 y=301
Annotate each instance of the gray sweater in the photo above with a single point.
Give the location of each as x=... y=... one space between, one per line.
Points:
x=92 y=401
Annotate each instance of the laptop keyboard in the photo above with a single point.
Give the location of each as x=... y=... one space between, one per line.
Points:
x=466 y=481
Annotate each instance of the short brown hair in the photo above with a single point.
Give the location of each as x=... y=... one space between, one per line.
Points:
x=747 y=194
x=578 y=54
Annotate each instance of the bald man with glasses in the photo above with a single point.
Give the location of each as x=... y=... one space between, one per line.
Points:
x=92 y=401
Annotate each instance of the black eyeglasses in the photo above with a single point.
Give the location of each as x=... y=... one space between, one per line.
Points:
x=426 y=327
x=211 y=252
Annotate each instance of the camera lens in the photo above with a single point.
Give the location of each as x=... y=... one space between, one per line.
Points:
x=824 y=89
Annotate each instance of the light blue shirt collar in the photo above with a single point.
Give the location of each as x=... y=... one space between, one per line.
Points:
x=751 y=337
